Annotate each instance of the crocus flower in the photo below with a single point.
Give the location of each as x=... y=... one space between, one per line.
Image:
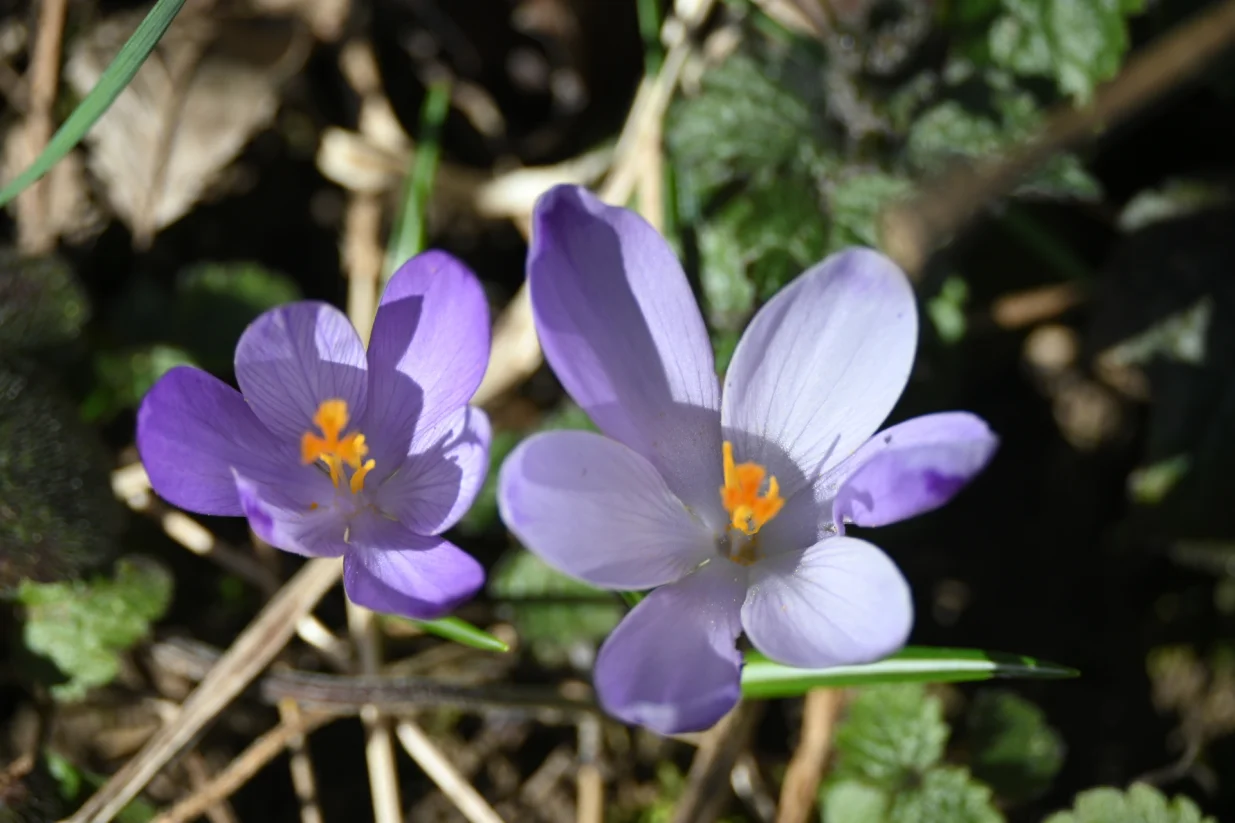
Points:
x=732 y=503
x=330 y=450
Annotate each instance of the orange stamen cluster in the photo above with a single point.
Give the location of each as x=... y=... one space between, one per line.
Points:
x=331 y=419
x=748 y=509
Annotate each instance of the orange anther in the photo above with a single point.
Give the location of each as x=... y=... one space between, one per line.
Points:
x=748 y=509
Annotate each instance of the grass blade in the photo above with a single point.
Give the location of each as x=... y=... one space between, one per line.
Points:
x=462 y=632
x=113 y=81
x=408 y=237
x=915 y=664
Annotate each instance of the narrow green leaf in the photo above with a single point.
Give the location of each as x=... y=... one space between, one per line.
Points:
x=463 y=633
x=408 y=238
x=113 y=81
x=762 y=678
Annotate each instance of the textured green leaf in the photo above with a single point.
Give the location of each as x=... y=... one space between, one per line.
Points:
x=948 y=132
x=1077 y=43
x=914 y=664
x=945 y=795
x=1014 y=749
x=82 y=627
x=574 y=613
x=756 y=243
x=891 y=734
x=852 y=801
x=755 y=116
x=1139 y=804
x=854 y=204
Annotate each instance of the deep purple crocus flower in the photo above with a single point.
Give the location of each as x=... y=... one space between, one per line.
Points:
x=330 y=450
x=731 y=504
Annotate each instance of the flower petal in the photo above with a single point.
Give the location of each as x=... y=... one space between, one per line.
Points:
x=283 y=516
x=621 y=330
x=294 y=357
x=912 y=468
x=437 y=483
x=841 y=602
x=192 y=430
x=599 y=511
x=427 y=353
x=392 y=570
x=821 y=365
x=672 y=664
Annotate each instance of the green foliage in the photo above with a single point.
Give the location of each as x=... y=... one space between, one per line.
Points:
x=892 y=733
x=41 y=302
x=216 y=301
x=947 y=310
x=855 y=202
x=758 y=115
x=1014 y=749
x=552 y=629
x=946 y=795
x=57 y=512
x=122 y=377
x=82 y=626
x=889 y=771
x=1076 y=43
x=1141 y=803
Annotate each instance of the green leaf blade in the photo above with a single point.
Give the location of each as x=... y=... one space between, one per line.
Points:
x=465 y=634
x=762 y=678
x=118 y=74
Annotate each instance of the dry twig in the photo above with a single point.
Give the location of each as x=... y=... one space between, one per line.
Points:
x=34 y=233
x=801 y=786
x=707 y=782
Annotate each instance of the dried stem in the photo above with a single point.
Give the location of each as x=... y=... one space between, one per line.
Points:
x=801 y=786
x=707 y=782
x=443 y=773
x=34 y=233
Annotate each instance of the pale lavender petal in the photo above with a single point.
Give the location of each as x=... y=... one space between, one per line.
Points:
x=293 y=358
x=912 y=468
x=598 y=511
x=841 y=602
x=623 y=333
x=283 y=515
x=672 y=664
x=427 y=353
x=392 y=570
x=192 y=430
x=820 y=366
x=437 y=483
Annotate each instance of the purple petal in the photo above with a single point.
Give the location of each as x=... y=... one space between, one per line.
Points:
x=820 y=366
x=427 y=353
x=841 y=602
x=293 y=358
x=436 y=486
x=599 y=511
x=672 y=664
x=392 y=570
x=283 y=515
x=192 y=430
x=912 y=468
x=621 y=330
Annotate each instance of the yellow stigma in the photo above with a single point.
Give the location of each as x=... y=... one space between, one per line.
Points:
x=748 y=510
x=331 y=420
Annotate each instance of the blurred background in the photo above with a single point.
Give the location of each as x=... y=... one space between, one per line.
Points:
x=1055 y=175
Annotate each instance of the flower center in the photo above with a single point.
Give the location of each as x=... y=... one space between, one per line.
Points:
x=335 y=452
x=748 y=509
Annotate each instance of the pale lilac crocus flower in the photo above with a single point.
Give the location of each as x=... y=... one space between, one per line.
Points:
x=330 y=450
x=732 y=503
